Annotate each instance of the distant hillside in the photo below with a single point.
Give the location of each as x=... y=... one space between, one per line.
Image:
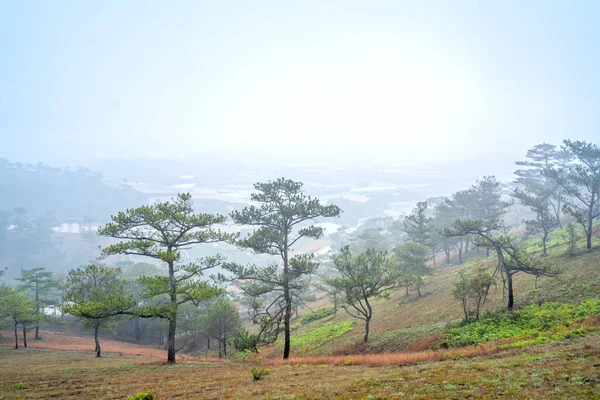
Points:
x=67 y=194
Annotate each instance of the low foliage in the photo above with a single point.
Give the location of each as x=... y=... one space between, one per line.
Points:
x=258 y=371
x=142 y=396
x=550 y=320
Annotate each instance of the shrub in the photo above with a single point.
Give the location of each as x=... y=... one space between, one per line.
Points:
x=258 y=371
x=549 y=321
x=472 y=290
x=20 y=386
x=571 y=233
x=245 y=341
x=142 y=396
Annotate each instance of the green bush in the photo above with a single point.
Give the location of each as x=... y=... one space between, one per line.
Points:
x=20 y=386
x=533 y=322
x=142 y=396
x=258 y=371
x=315 y=315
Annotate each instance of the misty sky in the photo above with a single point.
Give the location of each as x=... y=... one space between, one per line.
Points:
x=412 y=80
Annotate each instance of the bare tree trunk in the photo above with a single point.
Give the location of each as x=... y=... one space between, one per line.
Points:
x=286 y=323
x=24 y=336
x=173 y=316
x=335 y=304
x=288 y=306
x=544 y=239
x=171 y=341
x=590 y=225
x=367 y=320
x=37 y=304
x=511 y=298
x=96 y=328
x=419 y=287
x=16 y=336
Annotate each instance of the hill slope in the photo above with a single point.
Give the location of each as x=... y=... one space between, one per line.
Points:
x=410 y=323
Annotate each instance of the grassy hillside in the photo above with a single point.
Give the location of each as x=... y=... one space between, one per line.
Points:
x=410 y=323
x=547 y=351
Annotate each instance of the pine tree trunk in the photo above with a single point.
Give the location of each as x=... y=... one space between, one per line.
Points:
x=24 y=336
x=590 y=225
x=335 y=305
x=37 y=304
x=16 y=336
x=286 y=322
x=96 y=328
x=367 y=320
x=288 y=306
x=544 y=239
x=171 y=341
x=511 y=298
x=173 y=316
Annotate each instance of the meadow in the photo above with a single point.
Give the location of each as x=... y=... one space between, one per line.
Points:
x=558 y=370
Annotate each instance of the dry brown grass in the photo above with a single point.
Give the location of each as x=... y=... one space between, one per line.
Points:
x=378 y=360
x=59 y=341
x=558 y=370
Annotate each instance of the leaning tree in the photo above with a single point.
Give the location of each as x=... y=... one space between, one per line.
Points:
x=160 y=231
x=282 y=218
x=361 y=279
x=512 y=257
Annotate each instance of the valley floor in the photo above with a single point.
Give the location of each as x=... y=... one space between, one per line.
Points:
x=568 y=369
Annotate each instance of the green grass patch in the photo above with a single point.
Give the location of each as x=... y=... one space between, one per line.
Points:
x=532 y=324
x=318 y=336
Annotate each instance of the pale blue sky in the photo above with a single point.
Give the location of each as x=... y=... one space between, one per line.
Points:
x=432 y=80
